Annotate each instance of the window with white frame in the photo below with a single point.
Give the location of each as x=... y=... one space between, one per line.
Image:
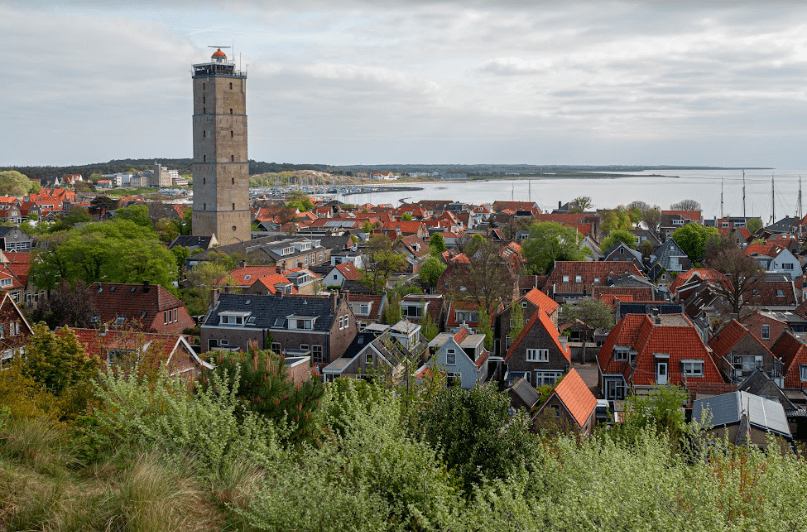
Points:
x=692 y=368
x=316 y=354
x=451 y=357
x=548 y=378
x=565 y=278
x=787 y=266
x=621 y=354
x=411 y=311
x=303 y=347
x=537 y=355
x=276 y=347
x=364 y=308
x=766 y=332
x=523 y=304
x=803 y=373
x=578 y=278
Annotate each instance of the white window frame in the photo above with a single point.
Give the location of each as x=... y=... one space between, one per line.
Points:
x=451 y=357
x=692 y=368
x=537 y=355
x=621 y=354
x=543 y=377
x=803 y=373
x=766 y=331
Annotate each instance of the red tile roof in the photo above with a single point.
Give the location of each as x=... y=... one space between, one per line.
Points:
x=540 y=319
x=542 y=301
x=675 y=337
x=765 y=248
x=139 y=304
x=576 y=397
x=349 y=271
x=727 y=337
x=704 y=274
x=793 y=354
x=695 y=216
x=245 y=276
x=269 y=283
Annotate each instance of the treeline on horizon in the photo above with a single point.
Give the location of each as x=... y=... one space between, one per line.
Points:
x=260 y=167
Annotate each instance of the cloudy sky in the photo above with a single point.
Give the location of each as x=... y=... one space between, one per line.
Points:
x=369 y=82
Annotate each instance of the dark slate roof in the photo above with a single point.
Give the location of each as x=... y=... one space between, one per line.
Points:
x=190 y=241
x=270 y=312
x=647 y=308
x=6 y=229
x=760 y=384
x=783 y=226
x=668 y=250
x=526 y=394
x=727 y=409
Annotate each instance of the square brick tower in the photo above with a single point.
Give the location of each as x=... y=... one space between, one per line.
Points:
x=220 y=163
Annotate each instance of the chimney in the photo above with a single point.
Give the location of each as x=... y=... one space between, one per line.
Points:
x=559 y=204
x=146 y=287
x=214 y=297
x=242 y=264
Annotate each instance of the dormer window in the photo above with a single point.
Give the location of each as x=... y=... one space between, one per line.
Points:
x=578 y=278
x=565 y=278
x=233 y=318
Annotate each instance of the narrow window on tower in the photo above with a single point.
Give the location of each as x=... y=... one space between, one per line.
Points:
x=233 y=180
x=203 y=99
x=204 y=206
x=204 y=85
x=232 y=158
x=204 y=132
x=231 y=86
x=233 y=206
x=204 y=180
x=231 y=110
x=204 y=158
x=231 y=134
x=204 y=110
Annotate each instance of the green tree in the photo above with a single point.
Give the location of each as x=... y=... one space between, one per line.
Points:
x=477 y=437
x=517 y=321
x=662 y=410
x=549 y=242
x=485 y=327
x=138 y=214
x=616 y=219
x=753 y=225
x=579 y=204
x=382 y=262
x=592 y=313
x=58 y=361
x=299 y=200
x=428 y=328
x=76 y=215
x=115 y=251
x=102 y=204
x=647 y=249
x=406 y=217
x=692 y=239
x=620 y=235
x=14 y=183
x=437 y=244
x=487 y=278
x=431 y=270
x=263 y=386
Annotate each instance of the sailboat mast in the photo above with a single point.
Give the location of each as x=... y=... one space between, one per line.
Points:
x=773 y=202
x=721 y=198
x=743 y=194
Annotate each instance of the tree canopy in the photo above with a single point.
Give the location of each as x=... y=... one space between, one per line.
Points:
x=14 y=183
x=431 y=270
x=437 y=244
x=548 y=242
x=382 y=262
x=620 y=235
x=686 y=205
x=692 y=239
x=117 y=251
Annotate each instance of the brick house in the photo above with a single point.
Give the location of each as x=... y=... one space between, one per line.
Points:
x=767 y=326
x=367 y=308
x=293 y=325
x=417 y=307
x=571 y=279
x=145 y=307
x=530 y=303
x=14 y=328
x=571 y=406
x=791 y=349
x=12 y=239
x=642 y=351
x=739 y=353
x=538 y=354
x=126 y=348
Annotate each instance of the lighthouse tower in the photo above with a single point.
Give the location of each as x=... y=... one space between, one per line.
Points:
x=220 y=162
